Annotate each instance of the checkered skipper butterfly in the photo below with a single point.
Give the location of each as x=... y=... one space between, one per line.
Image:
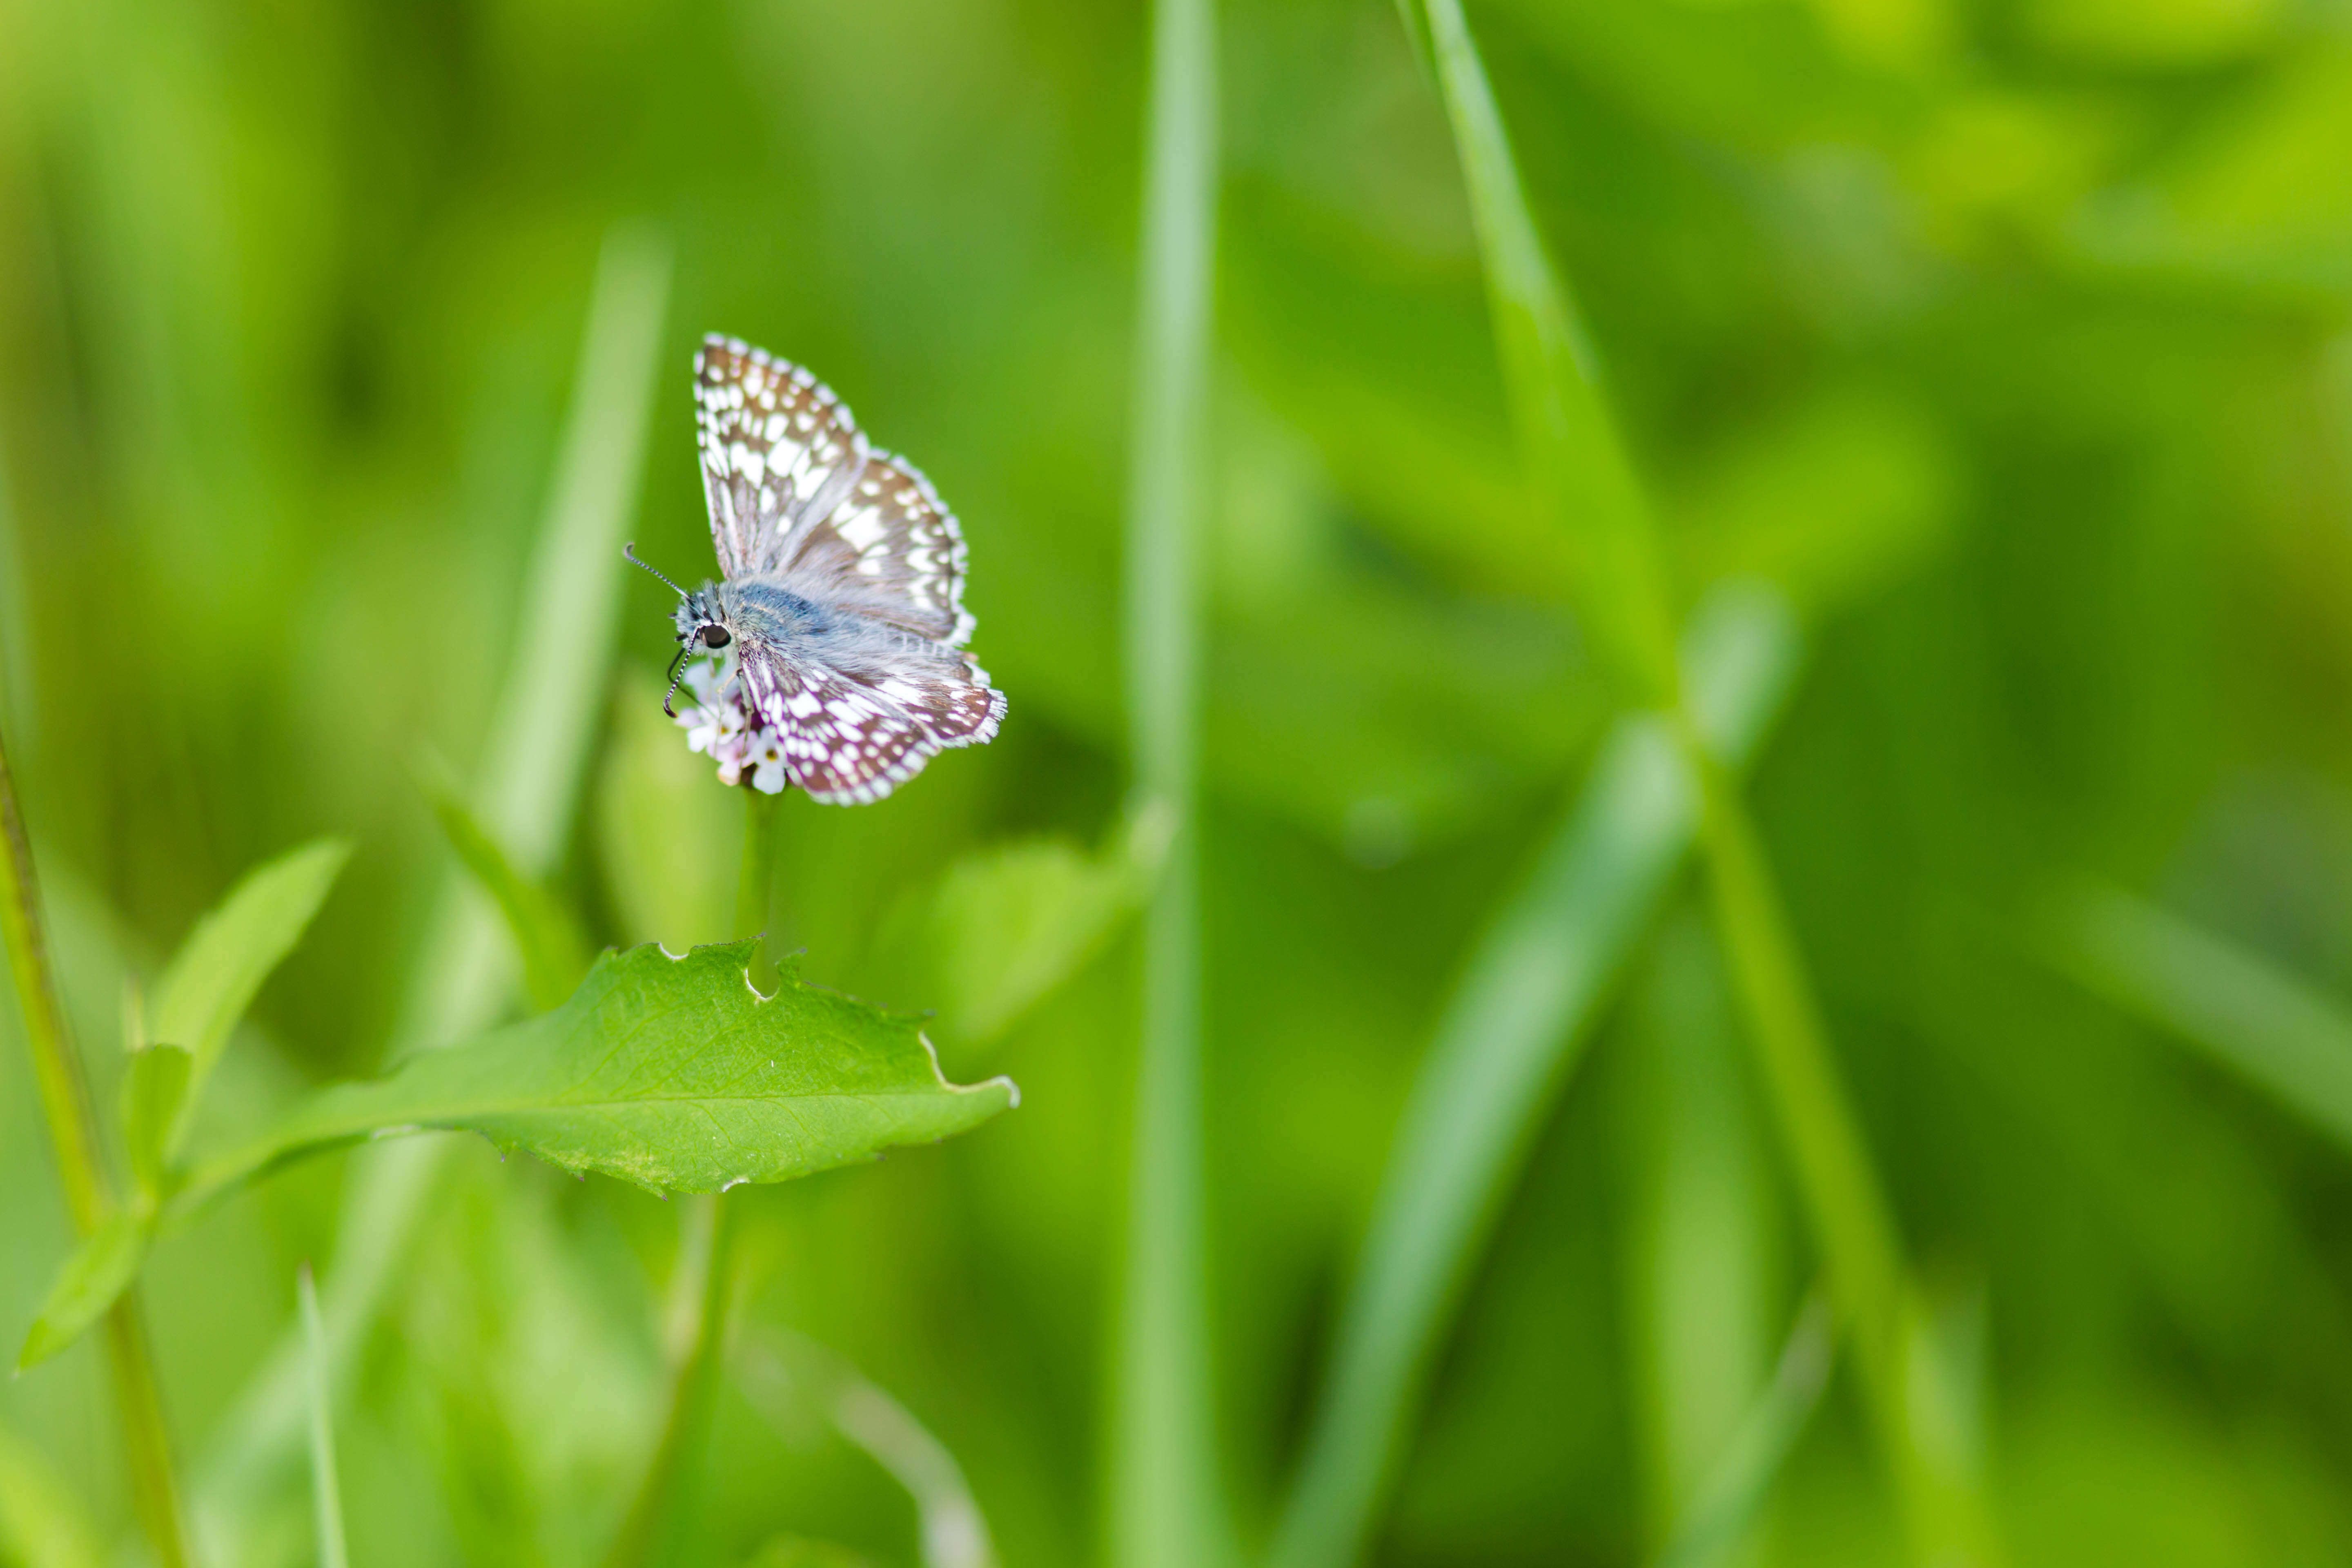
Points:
x=838 y=623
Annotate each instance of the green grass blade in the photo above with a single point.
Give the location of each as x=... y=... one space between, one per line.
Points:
x=1165 y=1506
x=1733 y=1496
x=212 y=980
x=1569 y=439
x=326 y=1492
x=2255 y=1019
x=528 y=787
x=1701 y=1242
x=555 y=951
x=1510 y=1034
x=669 y=1072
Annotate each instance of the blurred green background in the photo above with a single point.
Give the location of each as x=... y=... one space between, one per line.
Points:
x=2008 y=339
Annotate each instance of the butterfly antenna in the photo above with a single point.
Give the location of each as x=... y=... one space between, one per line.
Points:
x=677 y=673
x=630 y=550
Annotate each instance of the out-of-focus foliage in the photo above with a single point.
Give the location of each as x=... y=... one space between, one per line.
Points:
x=2008 y=341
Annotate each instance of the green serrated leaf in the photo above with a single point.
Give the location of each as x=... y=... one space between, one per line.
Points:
x=555 y=951
x=154 y=1090
x=669 y=1072
x=92 y=1276
x=212 y=979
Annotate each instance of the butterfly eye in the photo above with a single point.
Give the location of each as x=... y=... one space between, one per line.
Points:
x=714 y=637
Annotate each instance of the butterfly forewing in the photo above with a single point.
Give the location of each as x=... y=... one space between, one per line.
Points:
x=778 y=450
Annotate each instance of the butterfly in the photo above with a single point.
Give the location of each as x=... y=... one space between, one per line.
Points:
x=839 y=614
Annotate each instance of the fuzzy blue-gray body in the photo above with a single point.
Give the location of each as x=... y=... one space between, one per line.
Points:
x=766 y=614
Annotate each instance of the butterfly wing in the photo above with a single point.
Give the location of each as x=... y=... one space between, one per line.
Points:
x=890 y=551
x=778 y=448
x=856 y=728
x=797 y=500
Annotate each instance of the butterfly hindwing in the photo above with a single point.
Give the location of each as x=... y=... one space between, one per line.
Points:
x=778 y=448
x=843 y=743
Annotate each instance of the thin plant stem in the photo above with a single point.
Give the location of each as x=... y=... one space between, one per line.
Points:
x=1165 y=1506
x=659 y=1527
x=756 y=879
x=73 y=1133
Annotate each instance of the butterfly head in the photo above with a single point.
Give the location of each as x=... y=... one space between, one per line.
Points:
x=702 y=621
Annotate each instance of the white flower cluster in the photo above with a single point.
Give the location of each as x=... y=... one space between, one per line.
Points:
x=717 y=725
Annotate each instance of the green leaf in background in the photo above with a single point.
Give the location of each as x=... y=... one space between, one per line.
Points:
x=1010 y=922
x=42 y=1524
x=669 y=1072
x=2254 y=1018
x=154 y=1090
x=213 y=978
x=555 y=951
x=92 y=1276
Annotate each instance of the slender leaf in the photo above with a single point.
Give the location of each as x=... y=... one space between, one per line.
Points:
x=1725 y=1507
x=555 y=951
x=2259 y=1022
x=211 y=981
x=93 y=1275
x=326 y=1492
x=1701 y=1241
x=154 y=1092
x=1567 y=433
x=669 y=1072
x=1509 y=1037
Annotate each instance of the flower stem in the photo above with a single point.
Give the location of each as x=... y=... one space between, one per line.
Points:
x=660 y=1526
x=73 y=1132
x=758 y=878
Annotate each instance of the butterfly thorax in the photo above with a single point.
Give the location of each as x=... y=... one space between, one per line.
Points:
x=767 y=611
